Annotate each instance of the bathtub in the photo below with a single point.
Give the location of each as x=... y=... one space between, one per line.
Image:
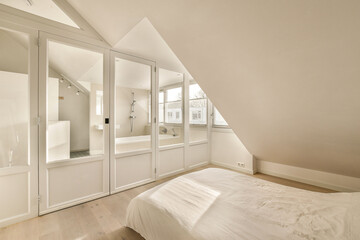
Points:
x=142 y=138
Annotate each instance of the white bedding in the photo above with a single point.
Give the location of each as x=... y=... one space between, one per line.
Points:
x=220 y=204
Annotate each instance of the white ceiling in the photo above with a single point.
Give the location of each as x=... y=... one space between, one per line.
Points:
x=132 y=74
x=284 y=74
x=43 y=8
x=167 y=77
x=143 y=40
x=75 y=62
x=86 y=66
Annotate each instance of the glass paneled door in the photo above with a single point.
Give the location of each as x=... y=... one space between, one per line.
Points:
x=132 y=129
x=171 y=131
x=74 y=136
x=18 y=125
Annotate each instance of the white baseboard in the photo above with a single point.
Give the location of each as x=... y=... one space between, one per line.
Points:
x=317 y=178
x=244 y=170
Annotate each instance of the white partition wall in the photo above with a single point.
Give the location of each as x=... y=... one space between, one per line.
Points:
x=74 y=142
x=18 y=124
x=132 y=138
x=171 y=123
x=199 y=126
x=80 y=121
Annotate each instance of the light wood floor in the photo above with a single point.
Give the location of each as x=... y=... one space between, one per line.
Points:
x=100 y=219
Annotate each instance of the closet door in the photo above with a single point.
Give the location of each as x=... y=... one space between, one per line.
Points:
x=132 y=126
x=18 y=124
x=74 y=129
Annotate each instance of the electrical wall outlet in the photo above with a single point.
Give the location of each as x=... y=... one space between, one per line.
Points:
x=241 y=164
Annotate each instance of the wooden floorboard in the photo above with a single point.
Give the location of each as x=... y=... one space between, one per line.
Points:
x=103 y=218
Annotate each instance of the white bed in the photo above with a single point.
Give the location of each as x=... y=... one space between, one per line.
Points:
x=220 y=204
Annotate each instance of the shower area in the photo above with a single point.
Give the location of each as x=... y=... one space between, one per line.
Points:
x=133 y=102
x=132 y=106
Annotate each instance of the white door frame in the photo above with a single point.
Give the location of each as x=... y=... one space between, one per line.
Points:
x=32 y=168
x=113 y=155
x=44 y=206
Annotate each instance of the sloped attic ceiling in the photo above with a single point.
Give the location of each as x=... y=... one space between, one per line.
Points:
x=144 y=41
x=284 y=74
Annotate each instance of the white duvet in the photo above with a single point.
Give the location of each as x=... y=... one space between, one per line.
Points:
x=220 y=204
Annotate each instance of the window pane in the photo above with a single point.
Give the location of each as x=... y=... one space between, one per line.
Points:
x=198 y=111
x=161 y=97
x=196 y=92
x=171 y=130
x=218 y=119
x=197 y=114
x=174 y=94
x=14 y=99
x=75 y=102
x=173 y=112
x=132 y=105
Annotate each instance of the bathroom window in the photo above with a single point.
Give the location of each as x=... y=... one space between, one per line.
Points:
x=99 y=103
x=173 y=105
x=197 y=105
x=218 y=119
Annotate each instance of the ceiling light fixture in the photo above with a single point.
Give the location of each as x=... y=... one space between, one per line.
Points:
x=61 y=80
x=78 y=93
x=69 y=86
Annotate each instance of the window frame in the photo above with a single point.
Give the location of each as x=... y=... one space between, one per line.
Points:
x=207 y=105
x=164 y=90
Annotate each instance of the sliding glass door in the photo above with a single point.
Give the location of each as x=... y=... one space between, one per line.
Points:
x=74 y=130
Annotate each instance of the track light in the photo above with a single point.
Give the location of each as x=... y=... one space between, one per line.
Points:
x=69 y=86
x=61 y=80
x=78 y=93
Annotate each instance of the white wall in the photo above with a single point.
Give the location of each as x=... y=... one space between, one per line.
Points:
x=14 y=56
x=75 y=109
x=123 y=109
x=14 y=118
x=332 y=181
x=197 y=133
x=53 y=99
x=96 y=135
x=227 y=151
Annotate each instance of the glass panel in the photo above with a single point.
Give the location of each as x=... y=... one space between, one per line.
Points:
x=161 y=106
x=74 y=102
x=14 y=99
x=218 y=119
x=171 y=129
x=43 y=8
x=195 y=92
x=132 y=105
x=174 y=94
x=197 y=113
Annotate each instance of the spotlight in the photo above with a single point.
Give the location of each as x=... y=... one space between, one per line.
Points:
x=69 y=86
x=61 y=80
x=78 y=93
